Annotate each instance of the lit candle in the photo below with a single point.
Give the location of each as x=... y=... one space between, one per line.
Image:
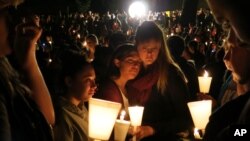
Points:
x=135 y=114
x=121 y=127
x=172 y=34
x=102 y=118
x=200 y=112
x=85 y=44
x=123 y=113
x=197 y=134
x=50 y=42
x=50 y=60
x=204 y=83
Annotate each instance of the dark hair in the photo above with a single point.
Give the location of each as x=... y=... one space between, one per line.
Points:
x=72 y=62
x=122 y=52
x=194 y=45
x=176 y=45
x=147 y=31
x=93 y=38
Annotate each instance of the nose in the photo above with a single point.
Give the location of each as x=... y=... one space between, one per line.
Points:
x=93 y=84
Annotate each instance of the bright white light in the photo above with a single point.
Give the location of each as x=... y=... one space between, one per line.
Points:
x=137 y=9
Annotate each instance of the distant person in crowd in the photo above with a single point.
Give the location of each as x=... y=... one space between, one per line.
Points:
x=176 y=45
x=78 y=84
x=160 y=87
x=91 y=43
x=124 y=66
x=217 y=70
x=197 y=56
x=26 y=109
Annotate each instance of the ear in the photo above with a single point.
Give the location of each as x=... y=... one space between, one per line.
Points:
x=68 y=81
x=117 y=62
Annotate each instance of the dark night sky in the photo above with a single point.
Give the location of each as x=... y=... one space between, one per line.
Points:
x=104 y=5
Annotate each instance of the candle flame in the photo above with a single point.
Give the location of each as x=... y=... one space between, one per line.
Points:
x=85 y=44
x=123 y=113
x=196 y=131
x=205 y=74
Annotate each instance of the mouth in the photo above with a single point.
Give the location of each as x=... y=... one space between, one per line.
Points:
x=91 y=93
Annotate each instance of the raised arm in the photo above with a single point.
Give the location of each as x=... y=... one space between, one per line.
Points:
x=25 y=51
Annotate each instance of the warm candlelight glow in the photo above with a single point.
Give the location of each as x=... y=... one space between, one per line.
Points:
x=121 y=129
x=196 y=133
x=102 y=117
x=206 y=74
x=204 y=83
x=200 y=112
x=123 y=113
x=50 y=42
x=85 y=43
x=135 y=114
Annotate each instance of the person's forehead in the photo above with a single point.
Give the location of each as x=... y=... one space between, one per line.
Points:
x=151 y=42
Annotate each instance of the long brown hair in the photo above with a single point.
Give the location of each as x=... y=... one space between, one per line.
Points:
x=150 y=30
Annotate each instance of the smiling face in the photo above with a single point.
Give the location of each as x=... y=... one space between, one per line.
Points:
x=148 y=51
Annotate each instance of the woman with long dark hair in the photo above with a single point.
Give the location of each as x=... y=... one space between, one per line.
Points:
x=124 y=66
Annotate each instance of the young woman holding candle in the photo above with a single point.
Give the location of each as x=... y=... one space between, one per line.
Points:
x=78 y=81
x=160 y=87
x=124 y=66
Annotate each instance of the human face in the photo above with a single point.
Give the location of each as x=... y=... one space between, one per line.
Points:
x=130 y=66
x=90 y=44
x=4 y=45
x=148 y=51
x=237 y=58
x=223 y=12
x=83 y=84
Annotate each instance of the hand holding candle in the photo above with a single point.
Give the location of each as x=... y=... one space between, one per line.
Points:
x=197 y=134
x=204 y=83
x=135 y=114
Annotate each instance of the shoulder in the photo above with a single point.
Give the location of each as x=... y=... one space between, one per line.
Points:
x=232 y=107
x=107 y=87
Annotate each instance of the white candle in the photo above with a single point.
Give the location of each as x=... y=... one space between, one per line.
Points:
x=102 y=118
x=135 y=114
x=121 y=129
x=204 y=83
x=200 y=112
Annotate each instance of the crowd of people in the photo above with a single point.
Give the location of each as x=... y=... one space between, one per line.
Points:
x=51 y=65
